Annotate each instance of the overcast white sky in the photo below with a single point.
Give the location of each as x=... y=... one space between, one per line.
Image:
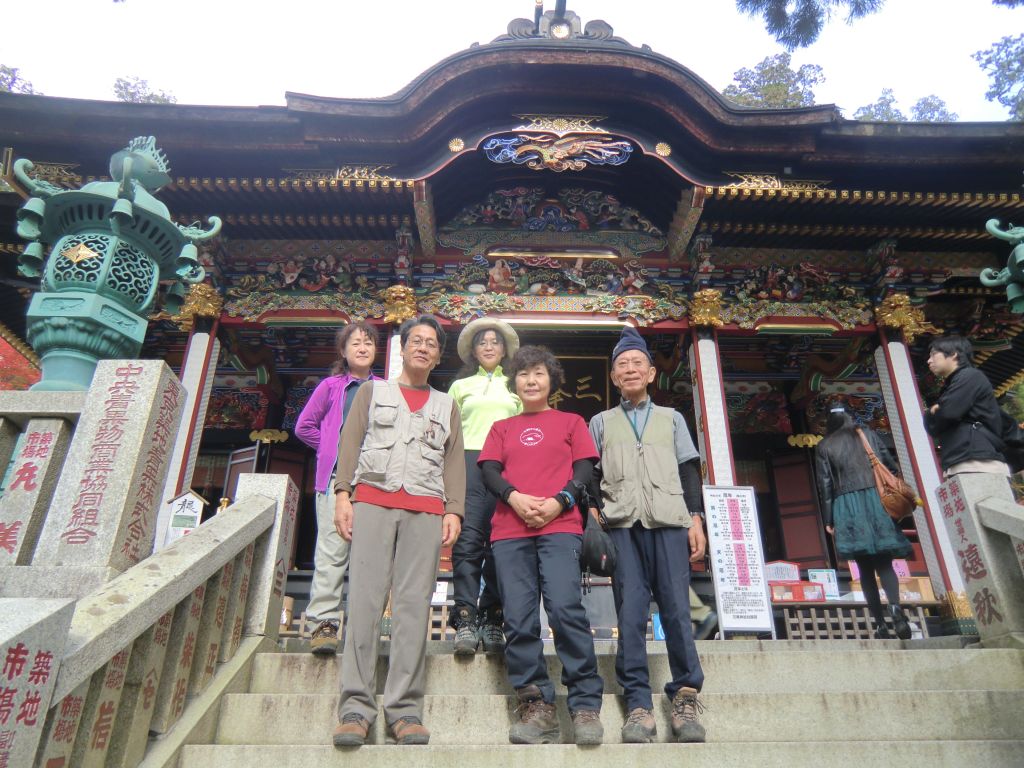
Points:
x=251 y=52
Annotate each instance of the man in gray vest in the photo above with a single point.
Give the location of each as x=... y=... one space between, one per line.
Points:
x=400 y=488
x=649 y=488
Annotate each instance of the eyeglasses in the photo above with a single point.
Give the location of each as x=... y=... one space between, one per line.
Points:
x=418 y=342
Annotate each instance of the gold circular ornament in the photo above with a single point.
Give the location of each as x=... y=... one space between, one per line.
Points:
x=662 y=149
x=560 y=31
x=456 y=145
x=560 y=124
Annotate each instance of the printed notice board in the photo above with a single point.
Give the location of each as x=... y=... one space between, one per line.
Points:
x=737 y=559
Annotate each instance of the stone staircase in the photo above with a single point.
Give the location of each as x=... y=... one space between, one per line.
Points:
x=784 y=703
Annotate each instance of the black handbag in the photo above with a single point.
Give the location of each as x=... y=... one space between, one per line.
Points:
x=597 y=553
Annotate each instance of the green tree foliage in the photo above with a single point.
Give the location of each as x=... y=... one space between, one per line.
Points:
x=797 y=23
x=1004 y=65
x=11 y=81
x=932 y=109
x=884 y=109
x=137 y=91
x=774 y=84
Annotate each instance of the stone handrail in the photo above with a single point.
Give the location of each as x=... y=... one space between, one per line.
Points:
x=141 y=648
x=986 y=527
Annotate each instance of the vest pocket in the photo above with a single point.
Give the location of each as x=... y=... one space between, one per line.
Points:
x=373 y=465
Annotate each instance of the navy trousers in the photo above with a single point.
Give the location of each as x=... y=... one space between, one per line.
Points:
x=471 y=554
x=653 y=563
x=547 y=566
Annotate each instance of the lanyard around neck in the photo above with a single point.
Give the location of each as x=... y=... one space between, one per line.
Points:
x=632 y=422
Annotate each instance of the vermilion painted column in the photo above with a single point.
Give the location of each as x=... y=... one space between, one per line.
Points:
x=713 y=439
x=917 y=459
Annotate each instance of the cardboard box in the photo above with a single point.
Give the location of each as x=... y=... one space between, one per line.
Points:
x=287 y=611
x=797 y=592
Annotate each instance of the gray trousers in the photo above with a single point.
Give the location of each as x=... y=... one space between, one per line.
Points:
x=397 y=551
x=330 y=561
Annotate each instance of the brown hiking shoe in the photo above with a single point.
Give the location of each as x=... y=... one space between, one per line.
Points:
x=409 y=730
x=587 y=730
x=324 y=640
x=685 y=709
x=351 y=731
x=640 y=727
x=537 y=722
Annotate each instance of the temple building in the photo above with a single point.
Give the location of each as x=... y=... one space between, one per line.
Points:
x=778 y=260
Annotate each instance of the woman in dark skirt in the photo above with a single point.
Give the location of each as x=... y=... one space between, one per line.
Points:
x=854 y=515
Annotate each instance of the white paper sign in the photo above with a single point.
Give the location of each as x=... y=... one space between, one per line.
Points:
x=827 y=578
x=186 y=512
x=737 y=559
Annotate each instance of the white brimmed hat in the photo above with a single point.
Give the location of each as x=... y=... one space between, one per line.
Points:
x=506 y=331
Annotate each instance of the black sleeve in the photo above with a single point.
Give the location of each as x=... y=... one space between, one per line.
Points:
x=582 y=471
x=825 y=485
x=493 y=481
x=689 y=476
x=966 y=388
x=594 y=489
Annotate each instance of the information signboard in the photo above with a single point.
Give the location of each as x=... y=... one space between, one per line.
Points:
x=737 y=559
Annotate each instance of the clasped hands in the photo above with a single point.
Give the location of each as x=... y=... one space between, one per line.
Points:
x=535 y=511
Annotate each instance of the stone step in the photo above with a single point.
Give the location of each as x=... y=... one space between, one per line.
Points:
x=484 y=719
x=704 y=647
x=739 y=672
x=799 y=754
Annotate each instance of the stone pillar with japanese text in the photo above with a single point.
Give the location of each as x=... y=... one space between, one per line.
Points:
x=974 y=507
x=103 y=514
x=32 y=637
x=26 y=500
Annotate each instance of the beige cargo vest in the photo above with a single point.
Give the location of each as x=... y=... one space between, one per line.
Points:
x=402 y=448
x=641 y=484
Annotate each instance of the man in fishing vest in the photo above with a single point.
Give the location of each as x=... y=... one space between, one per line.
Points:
x=648 y=486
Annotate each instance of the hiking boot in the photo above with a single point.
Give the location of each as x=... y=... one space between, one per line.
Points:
x=492 y=637
x=466 y=636
x=685 y=709
x=587 y=730
x=707 y=627
x=640 y=727
x=882 y=633
x=324 y=640
x=409 y=730
x=900 y=623
x=537 y=722
x=351 y=731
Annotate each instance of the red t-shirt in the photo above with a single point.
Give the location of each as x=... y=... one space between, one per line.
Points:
x=402 y=499
x=537 y=451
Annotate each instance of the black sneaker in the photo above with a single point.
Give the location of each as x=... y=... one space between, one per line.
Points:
x=900 y=623
x=467 y=637
x=492 y=638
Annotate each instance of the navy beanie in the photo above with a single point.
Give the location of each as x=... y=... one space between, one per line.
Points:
x=630 y=339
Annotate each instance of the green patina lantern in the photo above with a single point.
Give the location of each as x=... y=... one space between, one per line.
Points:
x=113 y=243
x=1012 y=275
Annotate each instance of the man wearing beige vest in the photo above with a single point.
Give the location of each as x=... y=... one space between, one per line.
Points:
x=648 y=485
x=400 y=487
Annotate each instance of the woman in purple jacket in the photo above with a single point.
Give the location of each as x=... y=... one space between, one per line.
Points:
x=319 y=426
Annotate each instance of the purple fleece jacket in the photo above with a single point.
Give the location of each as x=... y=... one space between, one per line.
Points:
x=319 y=424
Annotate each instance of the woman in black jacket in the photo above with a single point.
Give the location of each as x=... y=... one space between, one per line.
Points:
x=854 y=515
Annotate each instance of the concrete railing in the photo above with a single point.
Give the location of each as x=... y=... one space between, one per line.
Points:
x=986 y=526
x=101 y=642
x=142 y=648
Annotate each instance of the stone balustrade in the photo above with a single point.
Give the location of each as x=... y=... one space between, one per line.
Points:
x=106 y=649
